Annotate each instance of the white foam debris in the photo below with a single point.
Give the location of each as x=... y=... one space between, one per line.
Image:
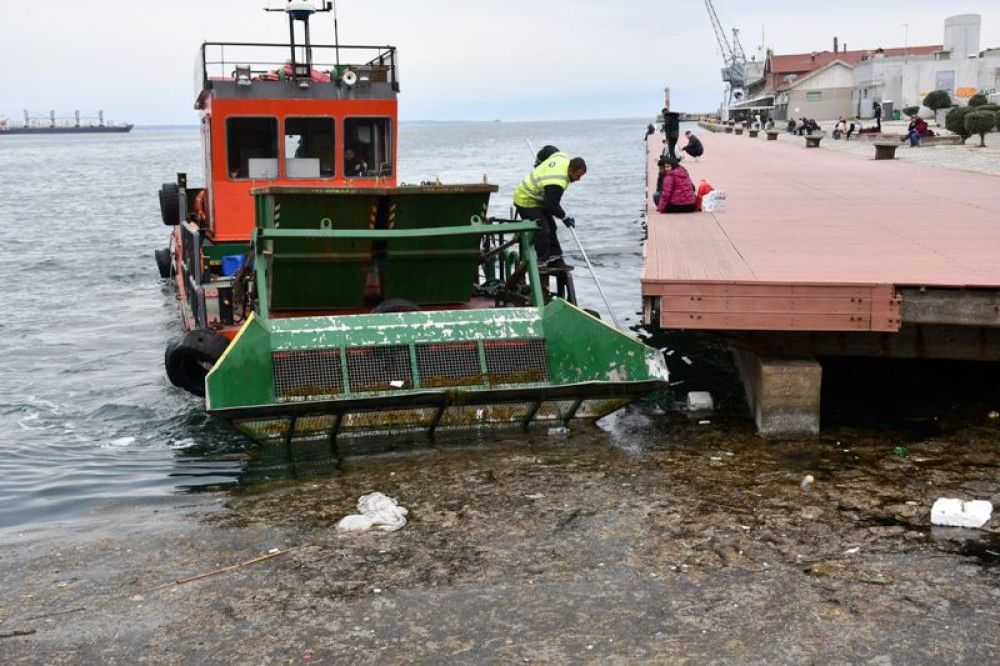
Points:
x=700 y=401
x=397 y=383
x=686 y=360
x=375 y=510
x=960 y=513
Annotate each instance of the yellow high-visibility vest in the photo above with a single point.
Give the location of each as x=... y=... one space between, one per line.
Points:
x=530 y=192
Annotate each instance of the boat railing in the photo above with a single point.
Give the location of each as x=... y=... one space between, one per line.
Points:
x=227 y=61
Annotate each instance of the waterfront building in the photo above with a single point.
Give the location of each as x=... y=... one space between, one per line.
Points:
x=842 y=83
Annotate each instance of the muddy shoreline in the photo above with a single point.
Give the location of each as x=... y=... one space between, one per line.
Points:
x=651 y=539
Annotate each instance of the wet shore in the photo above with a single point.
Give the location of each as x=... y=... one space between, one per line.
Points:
x=652 y=538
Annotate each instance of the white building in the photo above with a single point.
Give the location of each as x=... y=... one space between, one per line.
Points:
x=960 y=68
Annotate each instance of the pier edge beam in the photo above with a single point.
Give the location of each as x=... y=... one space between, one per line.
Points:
x=783 y=393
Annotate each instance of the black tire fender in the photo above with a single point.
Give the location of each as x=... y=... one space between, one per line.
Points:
x=170 y=204
x=395 y=305
x=164 y=262
x=189 y=358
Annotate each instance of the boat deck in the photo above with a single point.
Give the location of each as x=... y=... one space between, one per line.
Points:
x=814 y=240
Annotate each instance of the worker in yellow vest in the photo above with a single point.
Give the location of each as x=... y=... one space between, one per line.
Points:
x=537 y=198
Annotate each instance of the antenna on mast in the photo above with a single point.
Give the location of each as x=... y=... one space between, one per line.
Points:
x=301 y=10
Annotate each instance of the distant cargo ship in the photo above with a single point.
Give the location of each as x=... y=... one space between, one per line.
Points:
x=49 y=125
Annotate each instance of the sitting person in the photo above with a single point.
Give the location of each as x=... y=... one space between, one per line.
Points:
x=354 y=166
x=677 y=193
x=850 y=131
x=661 y=164
x=840 y=128
x=791 y=125
x=916 y=130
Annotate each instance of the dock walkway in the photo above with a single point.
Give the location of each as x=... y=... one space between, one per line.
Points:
x=824 y=253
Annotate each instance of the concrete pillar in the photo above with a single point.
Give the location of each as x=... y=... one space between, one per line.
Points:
x=784 y=394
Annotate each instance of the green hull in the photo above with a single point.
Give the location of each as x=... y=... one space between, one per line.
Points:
x=284 y=380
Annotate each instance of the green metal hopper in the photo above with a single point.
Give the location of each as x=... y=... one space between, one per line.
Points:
x=487 y=347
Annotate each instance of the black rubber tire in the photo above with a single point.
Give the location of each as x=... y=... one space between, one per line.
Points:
x=395 y=305
x=188 y=359
x=164 y=262
x=170 y=204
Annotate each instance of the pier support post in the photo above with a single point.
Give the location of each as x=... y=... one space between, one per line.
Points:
x=784 y=394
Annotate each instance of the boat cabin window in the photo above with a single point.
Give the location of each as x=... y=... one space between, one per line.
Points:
x=252 y=147
x=309 y=147
x=367 y=147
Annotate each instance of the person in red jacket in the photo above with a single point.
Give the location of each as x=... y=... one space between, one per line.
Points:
x=677 y=193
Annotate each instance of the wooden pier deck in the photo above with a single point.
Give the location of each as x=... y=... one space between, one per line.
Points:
x=821 y=253
x=817 y=240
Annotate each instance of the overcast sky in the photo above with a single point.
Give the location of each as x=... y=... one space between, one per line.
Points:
x=513 y=59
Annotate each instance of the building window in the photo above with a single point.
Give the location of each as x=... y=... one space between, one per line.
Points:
x=367 y=147
x=814 y=96
x=252 y=147
x=309 y=147
x=945 y=80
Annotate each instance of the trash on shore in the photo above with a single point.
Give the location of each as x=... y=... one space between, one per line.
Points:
x=559 y=431
x=807 y=481
x=700 y=401
x=952 y=512
x=993 y=415
x=375 y=510
x=901 y=451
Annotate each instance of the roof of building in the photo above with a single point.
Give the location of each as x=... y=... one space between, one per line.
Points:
x=798 y=63
x=816 y=72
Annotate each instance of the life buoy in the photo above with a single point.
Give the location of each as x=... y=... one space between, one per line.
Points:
x=189 y=358
x=201 y=206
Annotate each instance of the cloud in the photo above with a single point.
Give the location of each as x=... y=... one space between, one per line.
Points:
x=517 y=59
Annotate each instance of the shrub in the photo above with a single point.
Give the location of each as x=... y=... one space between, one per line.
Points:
x=987 y=107
x=937 y=99
x=978 y=100
x=980 y=122
x=955 y=121
x=911 y=110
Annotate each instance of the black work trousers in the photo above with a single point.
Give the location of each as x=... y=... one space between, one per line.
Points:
x=546 y=239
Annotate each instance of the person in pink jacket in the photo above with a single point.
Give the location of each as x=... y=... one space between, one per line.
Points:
x=677 y=192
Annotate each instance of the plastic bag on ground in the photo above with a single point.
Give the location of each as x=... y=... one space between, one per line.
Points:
x=375 y=510
x=714 y=201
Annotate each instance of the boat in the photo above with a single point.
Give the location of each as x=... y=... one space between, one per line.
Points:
x=51 y=125
x=321 y=299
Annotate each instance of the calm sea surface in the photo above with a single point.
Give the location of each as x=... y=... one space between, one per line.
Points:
x=87 y=416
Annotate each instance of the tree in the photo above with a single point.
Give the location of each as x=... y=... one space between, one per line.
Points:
x=937 y=99
x=980 y=122
x=911 y=110
x=978 y=100
x=955 y=121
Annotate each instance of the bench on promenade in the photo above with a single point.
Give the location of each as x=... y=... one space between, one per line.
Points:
x=753 y=133
x=729 y=129
x=812 y=140
x=772 y=134
x=886 y=149
x=941 y=140
x=739 y=130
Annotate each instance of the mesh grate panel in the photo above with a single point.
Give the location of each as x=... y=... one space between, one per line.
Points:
x=516 y=361
x=379 y=368
x=449 y=364
x=300 y=374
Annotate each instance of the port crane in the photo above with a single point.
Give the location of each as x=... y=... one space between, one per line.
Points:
x=734 y=59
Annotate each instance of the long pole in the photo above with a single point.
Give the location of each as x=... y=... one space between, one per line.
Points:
x=590 y=266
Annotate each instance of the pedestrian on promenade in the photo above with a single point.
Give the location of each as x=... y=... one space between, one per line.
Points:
x=877 y=112
x=672 y=128
x=537 y=197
